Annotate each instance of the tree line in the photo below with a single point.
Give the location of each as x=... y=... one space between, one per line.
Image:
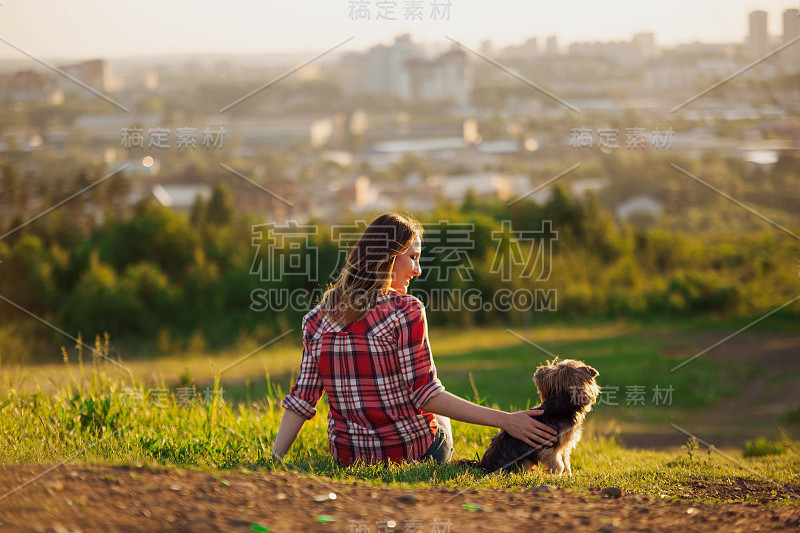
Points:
x=161 y=281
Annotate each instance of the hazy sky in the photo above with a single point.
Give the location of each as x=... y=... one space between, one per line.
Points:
x=117 y=28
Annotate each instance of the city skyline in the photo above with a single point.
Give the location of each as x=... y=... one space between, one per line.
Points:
x=70 y=32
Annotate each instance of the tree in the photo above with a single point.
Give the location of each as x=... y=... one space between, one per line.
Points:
x=199 y=212
x=100 y=303
x=153 y=234
x=12 y=189
x=219 y=210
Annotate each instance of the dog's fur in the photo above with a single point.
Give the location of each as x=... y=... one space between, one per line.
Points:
x=567 y=389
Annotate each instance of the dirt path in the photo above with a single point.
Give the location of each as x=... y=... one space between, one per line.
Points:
x=774 y=392
x=771 y=394
x=100 y=498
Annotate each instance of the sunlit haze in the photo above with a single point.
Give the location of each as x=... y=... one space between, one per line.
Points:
x=93 y=28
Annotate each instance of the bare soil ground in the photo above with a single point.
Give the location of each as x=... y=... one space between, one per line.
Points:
x=120 y=499
x=753 y=412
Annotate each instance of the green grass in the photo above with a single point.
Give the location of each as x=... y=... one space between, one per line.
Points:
x=283 y=358
x=89 y=413
x=504 y=374
x=500 y=367
x=95 y=423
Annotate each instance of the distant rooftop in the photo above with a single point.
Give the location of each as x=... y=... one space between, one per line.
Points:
x=180 y=196
x=420 y=145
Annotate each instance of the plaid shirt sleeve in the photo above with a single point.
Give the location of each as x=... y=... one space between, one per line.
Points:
x=414 y=352
x=307 y=390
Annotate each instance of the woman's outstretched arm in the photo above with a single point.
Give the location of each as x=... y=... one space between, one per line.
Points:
x=287 y=432
x=519 y=425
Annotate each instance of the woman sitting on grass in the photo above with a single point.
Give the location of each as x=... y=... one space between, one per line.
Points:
x=366 y=345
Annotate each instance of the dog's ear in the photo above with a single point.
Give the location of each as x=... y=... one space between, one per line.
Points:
x=543 y=380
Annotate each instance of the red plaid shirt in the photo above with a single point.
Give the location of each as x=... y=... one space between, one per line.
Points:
x=378 y=373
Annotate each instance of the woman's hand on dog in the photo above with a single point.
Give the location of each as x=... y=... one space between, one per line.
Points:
x=522 y=426
x=519 y=425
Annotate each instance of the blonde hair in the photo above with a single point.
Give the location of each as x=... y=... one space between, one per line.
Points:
x=367 y=273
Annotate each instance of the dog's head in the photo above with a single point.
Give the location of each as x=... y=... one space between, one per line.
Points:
x=570 y=378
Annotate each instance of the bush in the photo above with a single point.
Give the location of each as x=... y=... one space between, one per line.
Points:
x=761 y=447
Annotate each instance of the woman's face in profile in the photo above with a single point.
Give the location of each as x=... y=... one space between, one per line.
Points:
x=406 y=266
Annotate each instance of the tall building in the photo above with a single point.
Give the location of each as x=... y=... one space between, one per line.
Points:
x=403 y=71
x=646 y=44
x=791 y=30
x=31 y=86
x=376 y=70
x=758 y=38
x=386 y=67
x=95 y=73
x=352 y=73
x=525 y=51
x=487 y=48
x=399 y=54
x=531 y=48
x=551 y=46
x=447 y=77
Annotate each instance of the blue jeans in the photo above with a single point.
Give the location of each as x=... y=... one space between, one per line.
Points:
x=441 y=449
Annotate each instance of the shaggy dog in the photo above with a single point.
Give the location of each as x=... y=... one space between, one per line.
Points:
x=568 y=390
